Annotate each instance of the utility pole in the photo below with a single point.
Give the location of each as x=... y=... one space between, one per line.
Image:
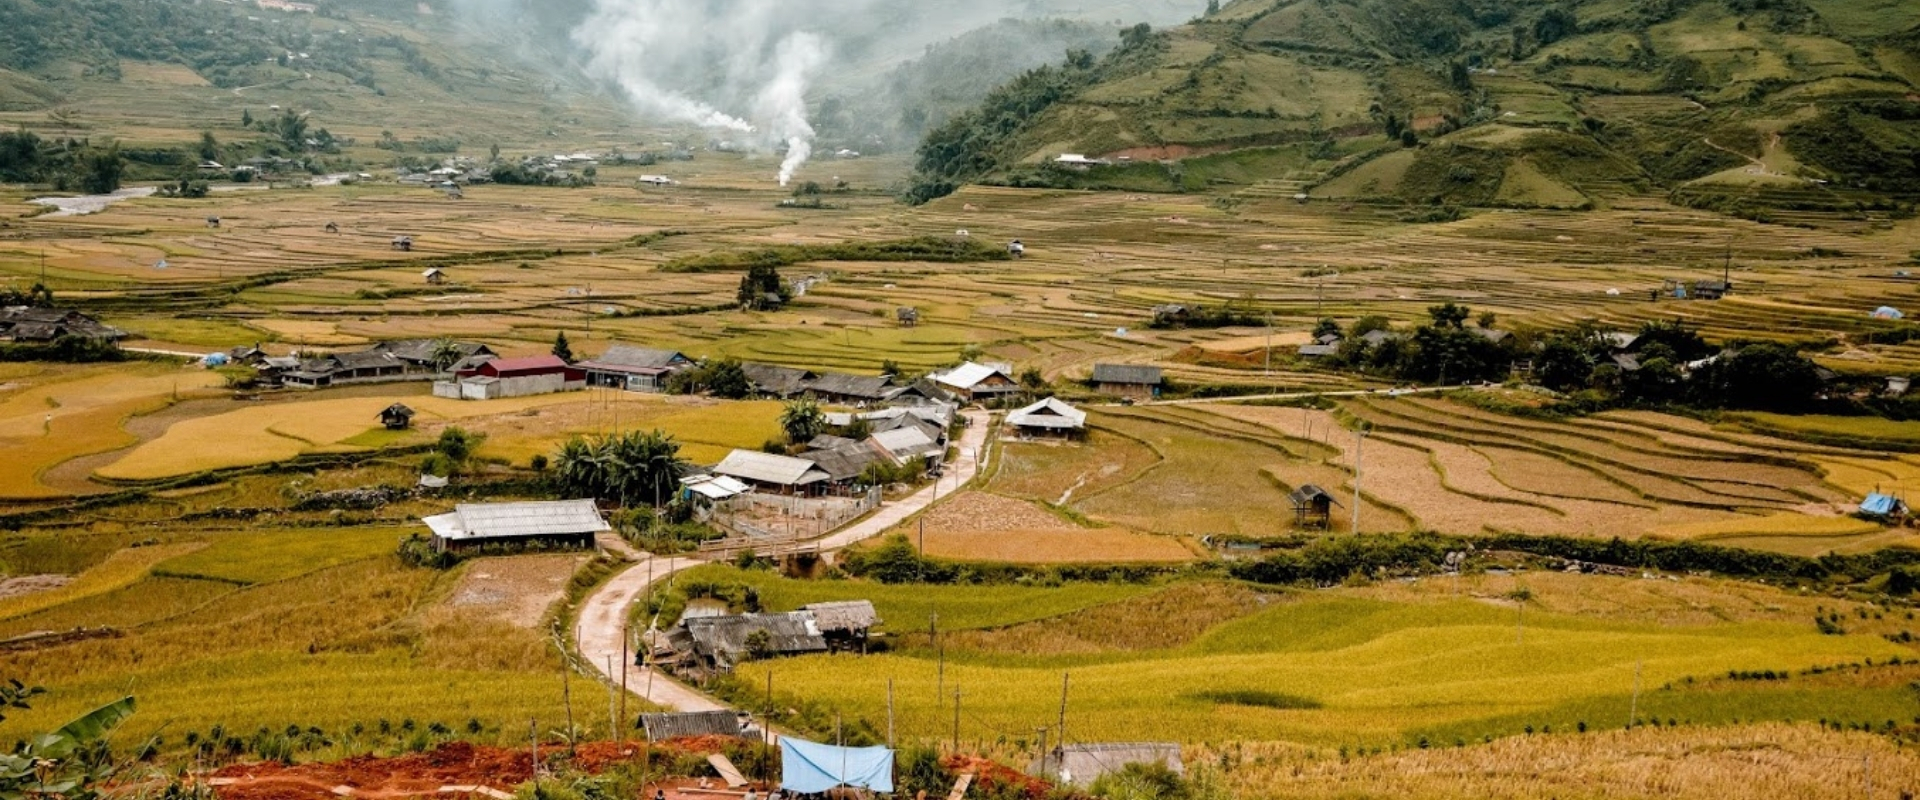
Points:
x=626 y=660
x=1269 y=344
x=1633 y=716
x=1359 y=442
x=940 y=657
x=956 y=720
x=1064 y=676
x=889 y=712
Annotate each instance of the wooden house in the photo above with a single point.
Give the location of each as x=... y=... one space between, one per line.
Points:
x=1128 y=380
x=1312 y=507
x=397 y=417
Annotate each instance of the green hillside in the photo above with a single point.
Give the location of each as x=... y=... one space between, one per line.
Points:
x=1741 y=105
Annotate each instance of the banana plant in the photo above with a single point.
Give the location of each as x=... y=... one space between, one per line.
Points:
x=63 y=765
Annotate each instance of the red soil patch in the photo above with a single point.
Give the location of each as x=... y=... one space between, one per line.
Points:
x=994 y=779
x=423 y=774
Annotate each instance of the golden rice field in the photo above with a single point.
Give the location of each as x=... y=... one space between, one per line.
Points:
x=53 y=414
x=518 y=428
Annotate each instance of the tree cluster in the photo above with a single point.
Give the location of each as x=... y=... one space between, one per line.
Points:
x=632 y=468
x=761 y=289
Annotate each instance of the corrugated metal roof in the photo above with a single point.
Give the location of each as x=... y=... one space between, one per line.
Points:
x=969 y=375
x=471 y=521
x=661 y=727
x=846 y=462
x=501 y=366
x=905 y=443
x=621 y=355
x=770 y=468
x=1319 y=350
x=1048 y=413
x=1082 y=764
x=1127 y=374
x=724 y=639
x=843 y=615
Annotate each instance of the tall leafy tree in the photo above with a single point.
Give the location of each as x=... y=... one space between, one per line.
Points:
x=561 y=348
x=802 y=420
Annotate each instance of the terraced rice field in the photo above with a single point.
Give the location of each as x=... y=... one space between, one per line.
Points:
x=1456 y=469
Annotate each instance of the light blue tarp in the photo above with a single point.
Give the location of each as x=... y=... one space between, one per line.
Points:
x=811 y=767
x=1878 y=504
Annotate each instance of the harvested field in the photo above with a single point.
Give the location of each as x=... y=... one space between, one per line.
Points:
x=979 y=512
x=517 y=590
x=1182 y=613
x=1057 y=472
x=1692 y=763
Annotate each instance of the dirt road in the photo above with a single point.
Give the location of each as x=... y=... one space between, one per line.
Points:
x=603 y=623
x=973 y=445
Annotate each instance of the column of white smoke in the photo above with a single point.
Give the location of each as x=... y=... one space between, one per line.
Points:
x=628 y=38
x=783 y=103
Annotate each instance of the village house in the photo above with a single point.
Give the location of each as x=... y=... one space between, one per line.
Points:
x=435 y=276
x=978 y=383
x=1049 y=417
x=844 y=460
x=512 y=377
x=340 y=369
x=902 y=445
x=705 y=646
x=773 y=472
x=1127 y=380
x=635 y=369
x=562 y=523
x=831 y=387
x=921 y=392
x=419 y=354
x=708 y=645
x=31 y=325
x=779 y=382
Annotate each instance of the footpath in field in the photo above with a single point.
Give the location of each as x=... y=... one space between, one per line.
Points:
x=604 y=613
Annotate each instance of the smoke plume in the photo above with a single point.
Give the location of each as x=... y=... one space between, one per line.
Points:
x=734 y=66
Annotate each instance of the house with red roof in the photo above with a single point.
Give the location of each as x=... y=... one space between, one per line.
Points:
x=513 y=377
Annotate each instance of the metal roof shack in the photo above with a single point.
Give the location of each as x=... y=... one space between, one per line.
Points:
x=720 y=643
x=563 y=522
x=1082 y=764
x=1049 y=416
x=769 y=469
x=843 y=616
x=688 y=725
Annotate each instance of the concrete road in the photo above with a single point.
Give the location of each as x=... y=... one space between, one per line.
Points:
x=603 y=623
x=973 y=445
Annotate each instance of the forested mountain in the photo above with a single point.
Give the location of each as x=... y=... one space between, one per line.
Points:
x=1742 y=104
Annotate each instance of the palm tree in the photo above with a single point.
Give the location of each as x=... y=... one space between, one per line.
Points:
x=445 y=354
x=802 y=420
x=577 y=469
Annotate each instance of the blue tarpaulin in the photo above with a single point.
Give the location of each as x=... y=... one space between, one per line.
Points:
x=1879 y=505
x=1888 y=312
x=811 y=767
